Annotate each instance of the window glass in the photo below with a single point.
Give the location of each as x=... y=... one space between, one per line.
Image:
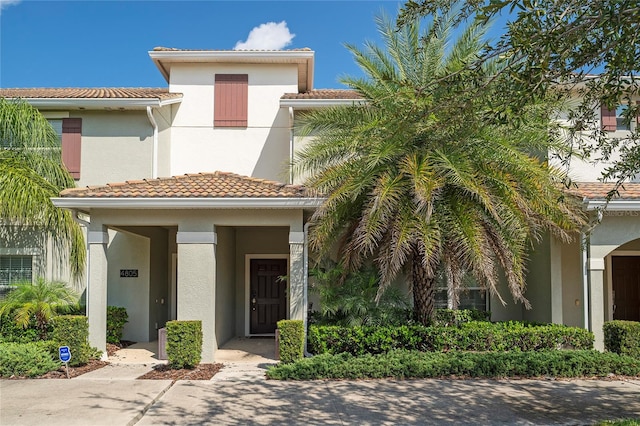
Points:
x=14 y=269
x=471 y=295
x=621 y=122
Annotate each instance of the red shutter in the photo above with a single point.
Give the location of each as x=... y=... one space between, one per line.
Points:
x=71 y=138
x=230 y=100
x=608 y=119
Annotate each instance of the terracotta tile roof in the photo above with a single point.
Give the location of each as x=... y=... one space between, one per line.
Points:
x=324 y=94
x=599 y=190
x=200 y=185
x=173 y=49
x=90 y=93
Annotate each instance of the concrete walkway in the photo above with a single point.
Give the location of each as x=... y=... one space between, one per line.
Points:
x=240 y=394
x=240 y=402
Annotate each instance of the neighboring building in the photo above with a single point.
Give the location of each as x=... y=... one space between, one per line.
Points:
x=186 y=218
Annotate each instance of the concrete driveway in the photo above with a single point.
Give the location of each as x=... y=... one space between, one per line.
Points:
x=254 y=400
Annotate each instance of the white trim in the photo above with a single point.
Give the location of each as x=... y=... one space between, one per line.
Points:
x=173 y=290
x=21 y=251
x=596 y=263
x=53 y=115
x=197 y=237
x=247 y=287
x=190 y=203
x=613 y=205
x=162 y=58
x=97 y=237
x=99 y=103
x=319 y=103
x=296 y=237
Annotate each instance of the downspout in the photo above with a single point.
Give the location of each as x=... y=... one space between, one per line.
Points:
x=74 y=215
x=291 y=147
x=305 y=285
x=154 y=153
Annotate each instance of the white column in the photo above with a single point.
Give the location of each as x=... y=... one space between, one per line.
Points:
x=196 y=290
x=596 y=301
x=97 y=289
x=296 y=276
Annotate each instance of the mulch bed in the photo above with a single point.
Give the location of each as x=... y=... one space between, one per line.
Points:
x=61 y=373
x=159 y=372
x=200 y=372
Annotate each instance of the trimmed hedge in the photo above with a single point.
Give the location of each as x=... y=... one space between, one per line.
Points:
x=622 y=337
x=402 y=364
x=291 y=345
x=12 y=332
x=73 y=331
x=26 y=359
x=471 y=336
x=184 y=343
x=451 y=317
x=117 y=317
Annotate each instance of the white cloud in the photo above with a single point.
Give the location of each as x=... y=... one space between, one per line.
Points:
x=5 y=3
x=269 y=36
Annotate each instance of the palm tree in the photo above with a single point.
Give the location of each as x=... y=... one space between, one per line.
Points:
x=40 y=301
x=422 y=178
x=31 y=172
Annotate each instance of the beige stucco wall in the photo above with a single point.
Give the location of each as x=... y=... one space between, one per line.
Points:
x=47 y=261
x=539 y=283
x=261 y=149
x=226 y=288
x=130 y=251
x=572 y=285
x=116 y=146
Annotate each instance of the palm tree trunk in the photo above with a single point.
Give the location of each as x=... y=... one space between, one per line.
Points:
x=423 y=285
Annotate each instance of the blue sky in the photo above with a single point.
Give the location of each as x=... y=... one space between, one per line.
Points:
x=105 y=43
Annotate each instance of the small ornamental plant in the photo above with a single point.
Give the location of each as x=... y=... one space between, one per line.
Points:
x=184 y=343
x=291 y=344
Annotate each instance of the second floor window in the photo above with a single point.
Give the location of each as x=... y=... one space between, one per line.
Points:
x=614 y=120
x=70 y=132
x=230 y=108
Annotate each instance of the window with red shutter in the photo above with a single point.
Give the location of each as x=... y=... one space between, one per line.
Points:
x=608 y=119
x=230 y=100
x=71 y=145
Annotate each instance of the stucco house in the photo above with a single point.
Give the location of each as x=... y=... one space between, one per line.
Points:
x=191 y=213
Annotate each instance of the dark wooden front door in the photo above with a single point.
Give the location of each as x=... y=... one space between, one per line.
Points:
x=268 y=294
x=626 y=287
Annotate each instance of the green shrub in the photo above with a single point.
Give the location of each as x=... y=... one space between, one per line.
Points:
x=116 y=319
x=73 y=331
x=25 y=359
x=469 y=336
x=622 y=337
x=184 y=343
x=12 y=332
x=291 y=344
x=403 y=364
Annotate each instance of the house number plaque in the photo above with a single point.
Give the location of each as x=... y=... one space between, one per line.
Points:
x=128 y=273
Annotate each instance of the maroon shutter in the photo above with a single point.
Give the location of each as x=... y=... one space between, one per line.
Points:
x=71 y=138
x=608 y=119
x=230 y=100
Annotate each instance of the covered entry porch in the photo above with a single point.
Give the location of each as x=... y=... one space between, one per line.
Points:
x=226 y=250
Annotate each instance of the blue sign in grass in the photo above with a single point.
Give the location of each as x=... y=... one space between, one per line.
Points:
x=64 y=353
